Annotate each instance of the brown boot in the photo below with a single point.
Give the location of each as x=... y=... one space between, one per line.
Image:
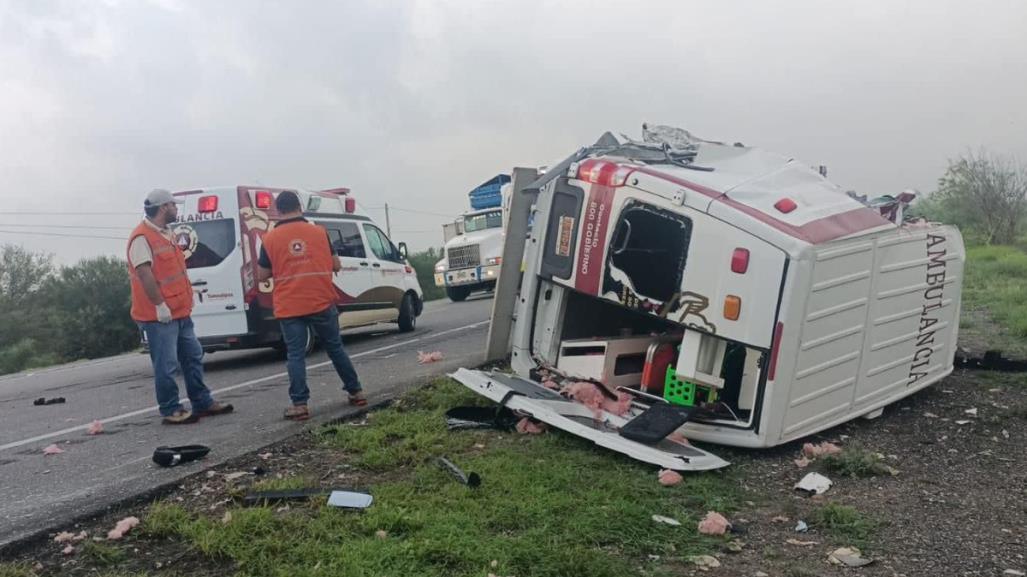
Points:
x=181 y=417
x=297 y=413
x=216 y=408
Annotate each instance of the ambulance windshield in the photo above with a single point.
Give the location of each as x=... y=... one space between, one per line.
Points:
x=205 y=243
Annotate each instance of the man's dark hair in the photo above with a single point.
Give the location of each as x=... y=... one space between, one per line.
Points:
x=151 y=209
x=287 y=201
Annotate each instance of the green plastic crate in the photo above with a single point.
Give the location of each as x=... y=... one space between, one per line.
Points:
x=677 y=391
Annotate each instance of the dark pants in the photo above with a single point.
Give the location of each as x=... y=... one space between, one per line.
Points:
x=326 y=327
x=172 y=346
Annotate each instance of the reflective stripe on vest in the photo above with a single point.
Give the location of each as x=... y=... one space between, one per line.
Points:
x=301 y=265
x=169 y=270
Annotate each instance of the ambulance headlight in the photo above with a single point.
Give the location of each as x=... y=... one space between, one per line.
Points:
x=441 y=267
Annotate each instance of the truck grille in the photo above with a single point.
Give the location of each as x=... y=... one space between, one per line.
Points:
x=463 y=256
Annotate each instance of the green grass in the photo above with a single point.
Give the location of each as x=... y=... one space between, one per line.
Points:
x=855 y=461
x=550 y=505
x=995 y=279
x=845 y=523
x=16 y=570
x=101 y=554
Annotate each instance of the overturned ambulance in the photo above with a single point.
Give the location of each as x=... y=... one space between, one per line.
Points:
x=735 y=294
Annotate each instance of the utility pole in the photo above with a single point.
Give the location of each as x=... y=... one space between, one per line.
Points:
x=388 y=226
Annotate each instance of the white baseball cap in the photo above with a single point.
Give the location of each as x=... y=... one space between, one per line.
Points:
x=159 y=196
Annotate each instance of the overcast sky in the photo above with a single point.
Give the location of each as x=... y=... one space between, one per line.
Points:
x=414 y=103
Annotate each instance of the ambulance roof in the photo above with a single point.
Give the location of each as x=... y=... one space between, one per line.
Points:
x=750 y=186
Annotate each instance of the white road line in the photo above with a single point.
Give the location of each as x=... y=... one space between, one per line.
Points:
x=129 y=415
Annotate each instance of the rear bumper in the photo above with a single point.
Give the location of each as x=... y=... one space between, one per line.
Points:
x=467 y=276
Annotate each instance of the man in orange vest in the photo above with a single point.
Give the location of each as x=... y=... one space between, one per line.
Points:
x=297 y=255
x=162 y=300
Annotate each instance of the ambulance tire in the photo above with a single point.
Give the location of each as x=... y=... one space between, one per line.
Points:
x=457 y=293
x=309 y=348
x=407 y=314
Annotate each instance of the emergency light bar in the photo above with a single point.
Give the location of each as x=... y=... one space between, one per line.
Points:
x=604 y=172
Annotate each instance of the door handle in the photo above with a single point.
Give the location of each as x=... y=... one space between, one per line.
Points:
x=376 y=265
x=363 y=264
x=200 y=283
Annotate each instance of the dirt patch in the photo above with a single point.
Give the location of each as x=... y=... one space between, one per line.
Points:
x=956 y=506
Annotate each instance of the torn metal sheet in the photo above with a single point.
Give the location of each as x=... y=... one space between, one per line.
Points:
x=526 y=396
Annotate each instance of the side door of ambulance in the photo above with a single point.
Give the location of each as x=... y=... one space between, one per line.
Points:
x=354 y=279
x=387 y=270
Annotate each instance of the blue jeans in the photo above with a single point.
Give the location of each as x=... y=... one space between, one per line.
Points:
x=326 y=327
x=174 y=345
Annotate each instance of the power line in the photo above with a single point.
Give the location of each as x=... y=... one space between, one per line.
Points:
x=88 y=226
x=32 y=232
x=56 y=213
x=421 y=212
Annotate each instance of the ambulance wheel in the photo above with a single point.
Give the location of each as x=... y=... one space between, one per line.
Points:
x=307 y=348
x=457 y=293
x=407 y=314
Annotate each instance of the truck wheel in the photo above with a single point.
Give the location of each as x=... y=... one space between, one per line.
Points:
x=457 y=293
x=407 y=314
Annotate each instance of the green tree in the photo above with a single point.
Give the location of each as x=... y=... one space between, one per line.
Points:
x=90 y=309
x=985 y=193
x=23 y=327
x=424 y=263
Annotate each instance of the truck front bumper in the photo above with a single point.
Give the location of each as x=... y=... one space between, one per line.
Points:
x=467 y=276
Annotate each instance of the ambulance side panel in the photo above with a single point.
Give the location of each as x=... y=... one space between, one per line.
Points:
x=879 y=323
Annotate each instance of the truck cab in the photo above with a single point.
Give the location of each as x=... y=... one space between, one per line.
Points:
x=472 y=256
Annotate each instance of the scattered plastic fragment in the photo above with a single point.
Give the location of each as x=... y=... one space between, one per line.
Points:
x=802 y=462
x=798 y=543
x=814 y=483
x=670 y=478
x=350 y=500
x=930 y=415
x=824 y=449
x=528 y=426
x=801 y=527
x=472 y=480
x=972 y=412
x=666 y=520
x=714 y=524
x=705 y=561
x=780 y=519
x=171 y=456
x=44 y=401
x=426 y=358
x=962 y=423
x=95 y=428
x=1014 y=573
x=264 y=456
x=53 y=450
x=237 y=475
x=123 y=526
x=849 y=557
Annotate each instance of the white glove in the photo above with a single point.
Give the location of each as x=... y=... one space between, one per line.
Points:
x=163 y=313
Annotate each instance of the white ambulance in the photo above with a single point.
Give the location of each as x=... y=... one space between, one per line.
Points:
x=220 y=231
x=731 y=281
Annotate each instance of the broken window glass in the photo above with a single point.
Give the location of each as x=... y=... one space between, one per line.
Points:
x=647 y=256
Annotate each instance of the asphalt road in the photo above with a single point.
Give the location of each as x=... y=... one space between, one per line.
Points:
x=42 y=492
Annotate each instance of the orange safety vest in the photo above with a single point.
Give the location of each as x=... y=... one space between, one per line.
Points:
x=168 y=265
x=301 y=266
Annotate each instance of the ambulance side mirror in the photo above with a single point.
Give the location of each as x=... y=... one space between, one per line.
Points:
x=403 y=250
